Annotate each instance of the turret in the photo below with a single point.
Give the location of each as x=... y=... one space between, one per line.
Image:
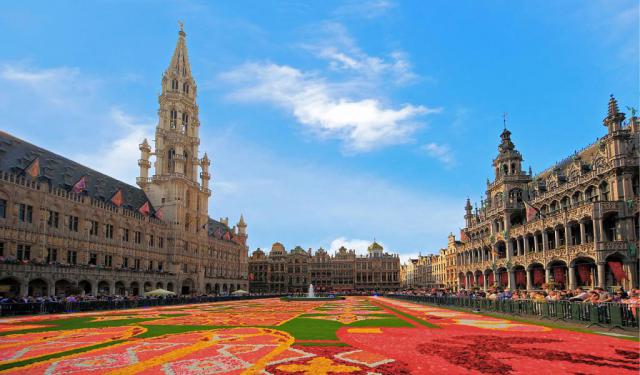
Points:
x=144 y=164
x=508 y=162
x=614 y=118
x=205 y=177
x=468 y=217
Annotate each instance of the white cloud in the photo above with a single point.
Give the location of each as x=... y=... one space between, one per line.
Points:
x=360 y=246
x=363 y=124
x=440 y=152
x=336 y=45
x=117 y=157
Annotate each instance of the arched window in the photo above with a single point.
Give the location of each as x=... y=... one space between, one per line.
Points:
x=185 y=121
x=184 y=165
x=505 y=169
x=576 y=199
x=174 y=119
x=170 y=162
x=590 y=194
x=185 y=88
x=604 y=191
x=554 y=206
x=174 y=85
x=564 y=203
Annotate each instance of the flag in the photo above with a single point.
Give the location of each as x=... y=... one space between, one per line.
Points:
x=530 y=211
x=463 y=236
x=144 y=209
x=227 y=236
x=33 y=169
x=217 y=233
x=117 y=198
x=251 y=277
x=159 y=214
x=79 y=186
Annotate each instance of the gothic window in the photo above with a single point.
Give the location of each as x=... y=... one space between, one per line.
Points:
x=185 y=88
x=505 y=169
x=174 y=118
x=185 y=121
x=174 y=85
x=589 y=194
x=604 y=191
x=576 y=199
x=564 y=203
x=184 y=165
x=170 y=163
x=554 y=206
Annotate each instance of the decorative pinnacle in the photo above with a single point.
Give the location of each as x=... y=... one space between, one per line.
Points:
x=613 y=107
x=181 y=32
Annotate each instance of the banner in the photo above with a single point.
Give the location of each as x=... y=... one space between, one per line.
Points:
x=491 y=279
x=560 y=275
x=33 y=169
x=618 y=272
x=538 y=276
x=79 y=186
x=521 y=279
x=504 y=279
x=530 y=211
x=117 y=198
x=584 y=273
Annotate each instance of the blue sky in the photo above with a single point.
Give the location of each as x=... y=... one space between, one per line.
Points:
x=328 y=122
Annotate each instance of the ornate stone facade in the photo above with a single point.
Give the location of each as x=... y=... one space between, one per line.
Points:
x=575 y=224
x=290 y=272
x=65 y=227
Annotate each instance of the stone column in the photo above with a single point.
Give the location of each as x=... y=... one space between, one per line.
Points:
x=547 y=274
x=632 y=282
x=518 y=247
x=485 y=280
x=556 y=233
x=511 y=280
x=525 y=242
x=535 y=243
x=567 y=236
x=572 y=278
x=545 y=241
x=583 y=236
x=509 y=246
x=529 y=279
x=601 y=269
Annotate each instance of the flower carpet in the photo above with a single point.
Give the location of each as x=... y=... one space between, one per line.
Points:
x=358 y=335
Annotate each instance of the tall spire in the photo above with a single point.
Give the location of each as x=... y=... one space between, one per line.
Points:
x=179 y=64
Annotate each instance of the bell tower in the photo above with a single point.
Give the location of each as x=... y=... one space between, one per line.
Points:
x=174 y=187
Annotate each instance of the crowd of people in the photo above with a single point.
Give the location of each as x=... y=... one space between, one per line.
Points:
x=596 y=295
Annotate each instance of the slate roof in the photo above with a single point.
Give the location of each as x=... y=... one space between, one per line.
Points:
x=17 y=154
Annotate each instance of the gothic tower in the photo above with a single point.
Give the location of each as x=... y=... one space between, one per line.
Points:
x=174 y=188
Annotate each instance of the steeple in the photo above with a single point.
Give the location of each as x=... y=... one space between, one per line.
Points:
x=614 y=118
x=508 y=162
x=180 y=182
x=179 y=64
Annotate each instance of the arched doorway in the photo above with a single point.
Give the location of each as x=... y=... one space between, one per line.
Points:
x=490 y=278
x=224 y=289
x=470 y=280
x=503 y=277
x=170 y=286
x=9 y=287
x=615 y=274
x=135 y=288
x=63 y=288
x=121 y=290
x=85 y=287
x=520 y=276
x=159 y=285
x=187 y=287
x=585 y=272
x=148 y=286
x=103 y=288
x=558 y=274
x=207 y=288
x=38 y=288
x=462 y=280
x=537 y=275
x=231 y=288
x=478 y=275
x=216 y=288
